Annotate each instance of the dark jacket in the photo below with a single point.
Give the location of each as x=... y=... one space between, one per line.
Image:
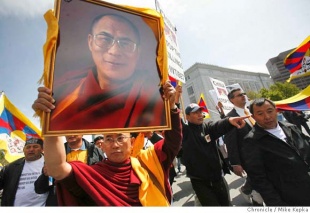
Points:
x=9 y=180
x=202 y=158
x=234 y=140
x=279 y=171
x=94 y=155
x=155 y=138
x=41 y=186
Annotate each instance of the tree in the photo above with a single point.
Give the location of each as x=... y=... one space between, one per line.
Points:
x=279 y=91
x=253 y=95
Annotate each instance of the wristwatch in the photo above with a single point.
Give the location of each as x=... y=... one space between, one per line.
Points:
x=174 y=109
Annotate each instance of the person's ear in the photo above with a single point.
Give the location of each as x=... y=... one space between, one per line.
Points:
x=90 y=41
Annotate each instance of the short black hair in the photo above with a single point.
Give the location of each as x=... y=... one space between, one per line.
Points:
x=98 y=138
x=134 y=134
x=231 y=93
x=260 y=102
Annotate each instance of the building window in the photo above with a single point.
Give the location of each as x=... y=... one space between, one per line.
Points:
x=253 y=87
x=190 y=91
x=246 y=87
x=258 y=86
x=231 y=82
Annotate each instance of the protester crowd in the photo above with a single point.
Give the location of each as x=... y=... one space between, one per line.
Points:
x=273 y=157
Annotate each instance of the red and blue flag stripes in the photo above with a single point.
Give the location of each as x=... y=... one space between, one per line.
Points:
x=302 y=105
x=173 y=81
x=298 y=102
x=293 y=61
x=10 y=123
x=11 y=119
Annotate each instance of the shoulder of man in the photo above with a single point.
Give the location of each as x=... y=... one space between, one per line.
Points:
x=232 y=113
x=13 y=165
x=93 y=151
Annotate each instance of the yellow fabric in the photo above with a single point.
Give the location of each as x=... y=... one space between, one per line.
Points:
x=138 y=145
x=77 y=155
x=48 y=50
x=298 y=97
x=149 y=194
x=250 y=118
x=52 y=34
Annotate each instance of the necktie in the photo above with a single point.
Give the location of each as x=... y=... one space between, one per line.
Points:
x=250 y=118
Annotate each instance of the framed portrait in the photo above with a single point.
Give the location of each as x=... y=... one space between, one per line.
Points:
x=106 y=70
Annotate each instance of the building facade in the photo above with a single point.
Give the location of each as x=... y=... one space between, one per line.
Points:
x=279 y=73
x=198 y=82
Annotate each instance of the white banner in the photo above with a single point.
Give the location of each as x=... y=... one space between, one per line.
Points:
x=175 y=67
x=220 y=94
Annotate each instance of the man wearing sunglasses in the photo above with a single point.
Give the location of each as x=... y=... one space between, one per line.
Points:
x=234 y=142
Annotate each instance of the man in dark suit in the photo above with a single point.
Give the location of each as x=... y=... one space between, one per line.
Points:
x=234 y=141
x=277 y=158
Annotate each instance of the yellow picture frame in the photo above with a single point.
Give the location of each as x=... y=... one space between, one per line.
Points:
x=130 y=105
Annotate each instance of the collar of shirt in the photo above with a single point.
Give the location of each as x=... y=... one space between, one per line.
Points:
x=278 y=132
x=240 y=111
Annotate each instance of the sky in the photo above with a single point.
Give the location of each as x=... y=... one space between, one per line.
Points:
x=240 y=34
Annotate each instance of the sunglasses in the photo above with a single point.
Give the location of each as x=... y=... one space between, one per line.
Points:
x=241 y=94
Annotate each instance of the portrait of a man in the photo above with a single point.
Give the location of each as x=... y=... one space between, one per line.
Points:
x=106 y=75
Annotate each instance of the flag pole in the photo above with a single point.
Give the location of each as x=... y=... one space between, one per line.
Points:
x=182 y=107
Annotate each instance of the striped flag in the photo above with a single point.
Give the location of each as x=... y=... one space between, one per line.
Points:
x=15 y=129
x=298 y=61
x=202 y=103
x=298 y=102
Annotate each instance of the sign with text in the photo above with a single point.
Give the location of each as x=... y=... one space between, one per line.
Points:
x=221 y=94
x=175 y=67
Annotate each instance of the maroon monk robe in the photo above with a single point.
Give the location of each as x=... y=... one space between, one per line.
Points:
x=87 y=182
x=135 y=103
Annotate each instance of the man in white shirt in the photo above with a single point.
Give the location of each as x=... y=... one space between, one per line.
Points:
x=234 y=143
x=17 y=178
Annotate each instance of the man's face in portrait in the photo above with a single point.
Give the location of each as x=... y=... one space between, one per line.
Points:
x=114 y=48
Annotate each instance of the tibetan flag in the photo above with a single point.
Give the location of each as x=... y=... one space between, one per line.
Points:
x=173 y=81
x=298 y=61
x=15 y=128
x=203 y=104
x=298 y=102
